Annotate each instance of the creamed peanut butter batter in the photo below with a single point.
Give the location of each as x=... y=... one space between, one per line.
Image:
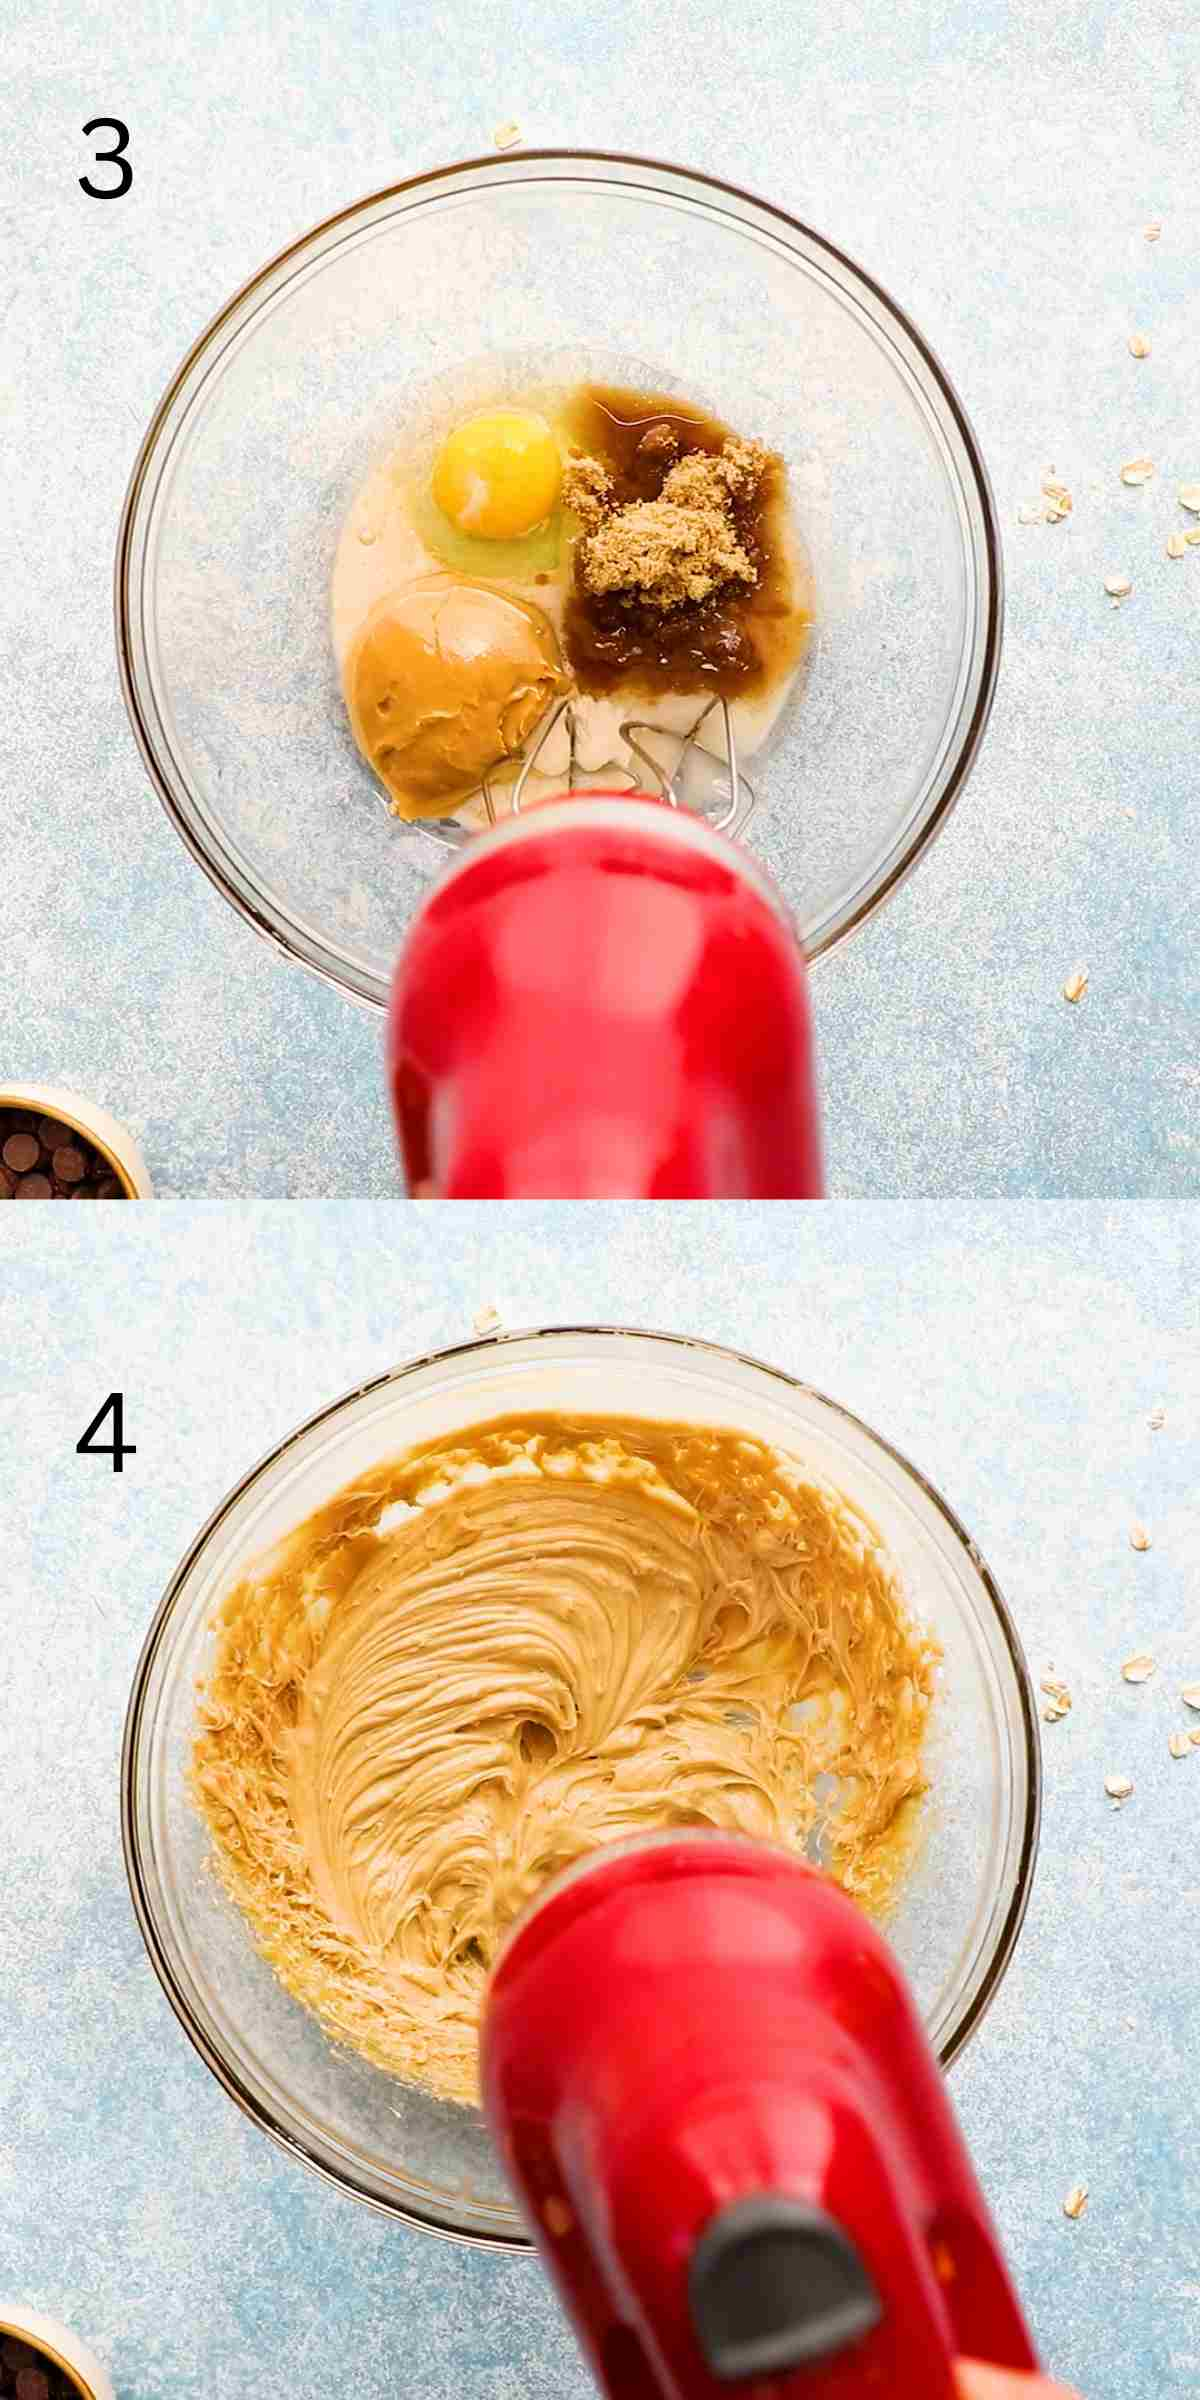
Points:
x=568 y=1631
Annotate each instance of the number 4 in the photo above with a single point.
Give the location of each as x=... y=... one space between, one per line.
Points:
x=118 y=1449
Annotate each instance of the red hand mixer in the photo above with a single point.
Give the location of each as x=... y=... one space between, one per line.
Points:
x=716 y=2101
x=604 y=997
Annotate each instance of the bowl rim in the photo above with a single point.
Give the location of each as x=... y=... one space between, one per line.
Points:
x=148 y=1924
x=499 y=164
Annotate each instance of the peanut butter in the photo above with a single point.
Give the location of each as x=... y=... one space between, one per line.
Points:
x=578 y=1630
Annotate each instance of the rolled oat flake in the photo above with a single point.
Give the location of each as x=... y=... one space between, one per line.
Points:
x=1139 y=1668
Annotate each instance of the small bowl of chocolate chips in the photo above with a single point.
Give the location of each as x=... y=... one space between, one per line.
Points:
x=56 y=1146
x=41 y=2360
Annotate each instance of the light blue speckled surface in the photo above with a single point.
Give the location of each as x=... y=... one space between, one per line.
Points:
x=993 y=166
x=1014 y=1358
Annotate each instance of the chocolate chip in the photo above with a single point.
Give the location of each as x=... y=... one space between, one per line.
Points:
x=71 y=1166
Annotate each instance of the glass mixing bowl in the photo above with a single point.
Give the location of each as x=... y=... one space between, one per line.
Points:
x=302 y=383
x=424 y=2159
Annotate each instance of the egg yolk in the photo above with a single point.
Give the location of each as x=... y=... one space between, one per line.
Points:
x=497 y=475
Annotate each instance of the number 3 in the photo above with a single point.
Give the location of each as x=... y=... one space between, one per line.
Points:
x=115 y=156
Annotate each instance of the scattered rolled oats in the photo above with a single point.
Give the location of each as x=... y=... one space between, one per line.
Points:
x=1137 y=470
x=1058 y=501
x=1139 y=347
x=1192 y=537
x=1076 y=2200
x=1140 y=1668
x=506 y=137
x=1153 y=229
x=1118 y=1787
x=1118 y=587
x=1194 y=1738
x=1076 y=984
x=1190 y=1695
x=1139 y=1539
x=1157 y=1418
x=488 y=1320
x=1179 y=1744
x=1189 y=497
x=1054 y=505
x=1177 y=545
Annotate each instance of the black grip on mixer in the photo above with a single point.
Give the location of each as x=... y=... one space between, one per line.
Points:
x=775 y=2284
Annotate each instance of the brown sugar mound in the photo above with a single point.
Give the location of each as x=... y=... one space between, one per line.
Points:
x=682 y=546
x=587 y=490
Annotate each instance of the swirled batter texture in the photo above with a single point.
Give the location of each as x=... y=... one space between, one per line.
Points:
x=480 y=1662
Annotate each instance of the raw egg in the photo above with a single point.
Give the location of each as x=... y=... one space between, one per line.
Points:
x=497 y=475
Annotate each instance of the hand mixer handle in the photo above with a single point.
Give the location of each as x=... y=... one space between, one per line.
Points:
x=713 y=2091
x=779 y=2227
x=604 y=999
